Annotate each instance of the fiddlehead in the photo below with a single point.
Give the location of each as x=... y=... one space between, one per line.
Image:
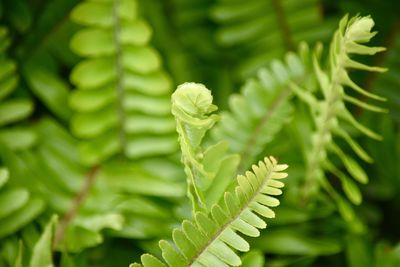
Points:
x=191 y=105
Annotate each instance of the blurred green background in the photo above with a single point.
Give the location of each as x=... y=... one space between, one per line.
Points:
x=54 y=160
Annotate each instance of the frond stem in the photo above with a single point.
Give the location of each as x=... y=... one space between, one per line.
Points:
x=188 y=158
x=323 y=129
x=245 y=154
x=283 y=24
x=76 y=202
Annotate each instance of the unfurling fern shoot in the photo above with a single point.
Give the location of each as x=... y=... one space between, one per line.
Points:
x=191 y=104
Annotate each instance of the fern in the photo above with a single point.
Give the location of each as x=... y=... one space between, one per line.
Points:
x=191 y=104
x=12 y=109
x=259 y=31
x=42 y=251
x=32 y=248
x=262 y=107
x=19 y=206
x=210 y=240
x=330 y=112
x=121 y=81
x=55 y=190
x=99 y=150
x=208 y=170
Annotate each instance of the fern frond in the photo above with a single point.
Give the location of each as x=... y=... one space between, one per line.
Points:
x=259 y=31
x=121 y=81
x=120 y=198
x=13 y=110
x=331 y=111
x=211 y=239
x=19 y=207
x=262 y=107
x=50 y=177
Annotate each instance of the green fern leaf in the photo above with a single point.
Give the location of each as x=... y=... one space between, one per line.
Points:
x=259 y=31
x=42 y=251
x=121 y=81
x=211 y=240
x=19 y=206
x=330 y=112
x=13 y=110
x=262 y=107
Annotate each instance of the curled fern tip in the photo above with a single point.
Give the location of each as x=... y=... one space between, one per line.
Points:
x=194 y=99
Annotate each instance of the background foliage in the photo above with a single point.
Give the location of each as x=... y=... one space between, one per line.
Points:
x=89 y=155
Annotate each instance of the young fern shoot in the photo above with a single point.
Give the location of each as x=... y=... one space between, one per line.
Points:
x=210 y=238
x=191 y=104
x=331 y=110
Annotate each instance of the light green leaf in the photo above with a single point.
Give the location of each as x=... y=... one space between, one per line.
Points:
x=42 y=255
x=21 y=217
x=352 y=191
x=4 y=176
x=50 y=88
x=18 y=138
x=15 y=110
x=12 y=200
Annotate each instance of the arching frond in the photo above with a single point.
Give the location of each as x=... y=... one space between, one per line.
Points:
x=19 y=206
x=262 y=107
x=331 y=112
x=211 y=239
x=13 y=110
x=121 y=81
